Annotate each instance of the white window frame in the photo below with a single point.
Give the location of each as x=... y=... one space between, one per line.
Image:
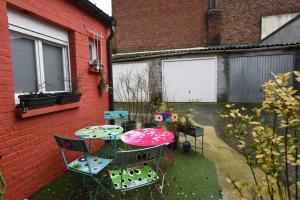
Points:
x=41 y=32
x=94 y=56
x=213 y=4
x=40 y=72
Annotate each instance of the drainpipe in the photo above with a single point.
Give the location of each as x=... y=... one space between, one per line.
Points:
x=109 y=62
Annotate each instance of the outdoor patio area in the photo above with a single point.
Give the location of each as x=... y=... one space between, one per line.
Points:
x=191 y=176
x=139 y=100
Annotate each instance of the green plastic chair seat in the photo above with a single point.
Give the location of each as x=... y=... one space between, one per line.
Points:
x=96 y=164
x=133 y=177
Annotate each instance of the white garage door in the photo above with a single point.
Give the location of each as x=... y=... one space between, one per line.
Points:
x=190 y=80
x=128 y=72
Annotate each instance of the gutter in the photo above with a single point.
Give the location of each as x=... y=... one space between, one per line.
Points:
x=126 y=57
x=109 y=63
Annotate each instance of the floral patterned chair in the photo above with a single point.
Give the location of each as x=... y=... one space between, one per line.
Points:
x=137 y=168
x=87 y=165
x=166 y=118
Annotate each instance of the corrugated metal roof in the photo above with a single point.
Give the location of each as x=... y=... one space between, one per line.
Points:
x=122 y=57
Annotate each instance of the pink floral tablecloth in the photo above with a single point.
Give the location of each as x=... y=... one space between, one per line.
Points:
x=147 y=137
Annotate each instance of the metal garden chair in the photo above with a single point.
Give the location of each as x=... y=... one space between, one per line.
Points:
x=170 y=121
x=137 y=168
x=166 y=118
x=86 y=165
x=115 y=115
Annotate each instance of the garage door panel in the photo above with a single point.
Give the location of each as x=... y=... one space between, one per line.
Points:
x=189 y=80
x=248 y=73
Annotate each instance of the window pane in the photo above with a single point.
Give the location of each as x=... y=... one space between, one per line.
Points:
x=91 y=52
x=24 y=66
x=53 y=67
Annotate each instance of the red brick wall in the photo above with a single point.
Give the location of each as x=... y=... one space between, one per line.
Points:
x=156 y=24
x=168 y=24
x=241 y=19
x=30 y=157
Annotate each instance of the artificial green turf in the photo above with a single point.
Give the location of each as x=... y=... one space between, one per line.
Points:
x=192 y=176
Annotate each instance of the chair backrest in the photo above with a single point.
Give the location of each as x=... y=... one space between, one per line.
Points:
x=132 y=157
x=121 y=115
x=166 y=118
x=71 y=144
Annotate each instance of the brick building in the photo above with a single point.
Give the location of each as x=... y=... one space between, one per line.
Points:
x=55 y=40
x=207 y=50
x=174 y=24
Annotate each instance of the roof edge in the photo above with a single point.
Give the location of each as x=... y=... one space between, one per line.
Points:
x=93 y=10
x=201 y=50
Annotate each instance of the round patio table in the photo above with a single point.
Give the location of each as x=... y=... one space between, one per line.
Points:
x=105 y=132
x=146 y=137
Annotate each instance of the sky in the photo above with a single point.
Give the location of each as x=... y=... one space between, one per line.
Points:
x=104 y=5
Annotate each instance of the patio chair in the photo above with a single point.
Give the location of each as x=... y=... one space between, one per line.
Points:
x=115 y=115
x=167 y=119
x=136 y=169
x=89 y=167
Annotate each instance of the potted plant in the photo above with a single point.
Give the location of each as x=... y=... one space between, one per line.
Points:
x=68 y=97
x=36 y=100
x=185 y=126
x=104 y=86
x=96 y=65
x=149 y=107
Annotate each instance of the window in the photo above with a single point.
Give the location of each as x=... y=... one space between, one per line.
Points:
x=39 y=55
x=92 y=51
x=213 y=4
x=95 y=49
x=38 y=66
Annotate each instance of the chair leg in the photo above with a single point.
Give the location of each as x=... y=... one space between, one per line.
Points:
x=87 y=185
x=150 y=192
x=202 y=144
x=159 y=191
x=100 y=185
x=79 y=183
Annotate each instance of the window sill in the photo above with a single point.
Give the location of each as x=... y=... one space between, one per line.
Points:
x=46 y=110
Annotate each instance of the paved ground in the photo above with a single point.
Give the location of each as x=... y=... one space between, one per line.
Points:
x=219 y=147
x=227 y=161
